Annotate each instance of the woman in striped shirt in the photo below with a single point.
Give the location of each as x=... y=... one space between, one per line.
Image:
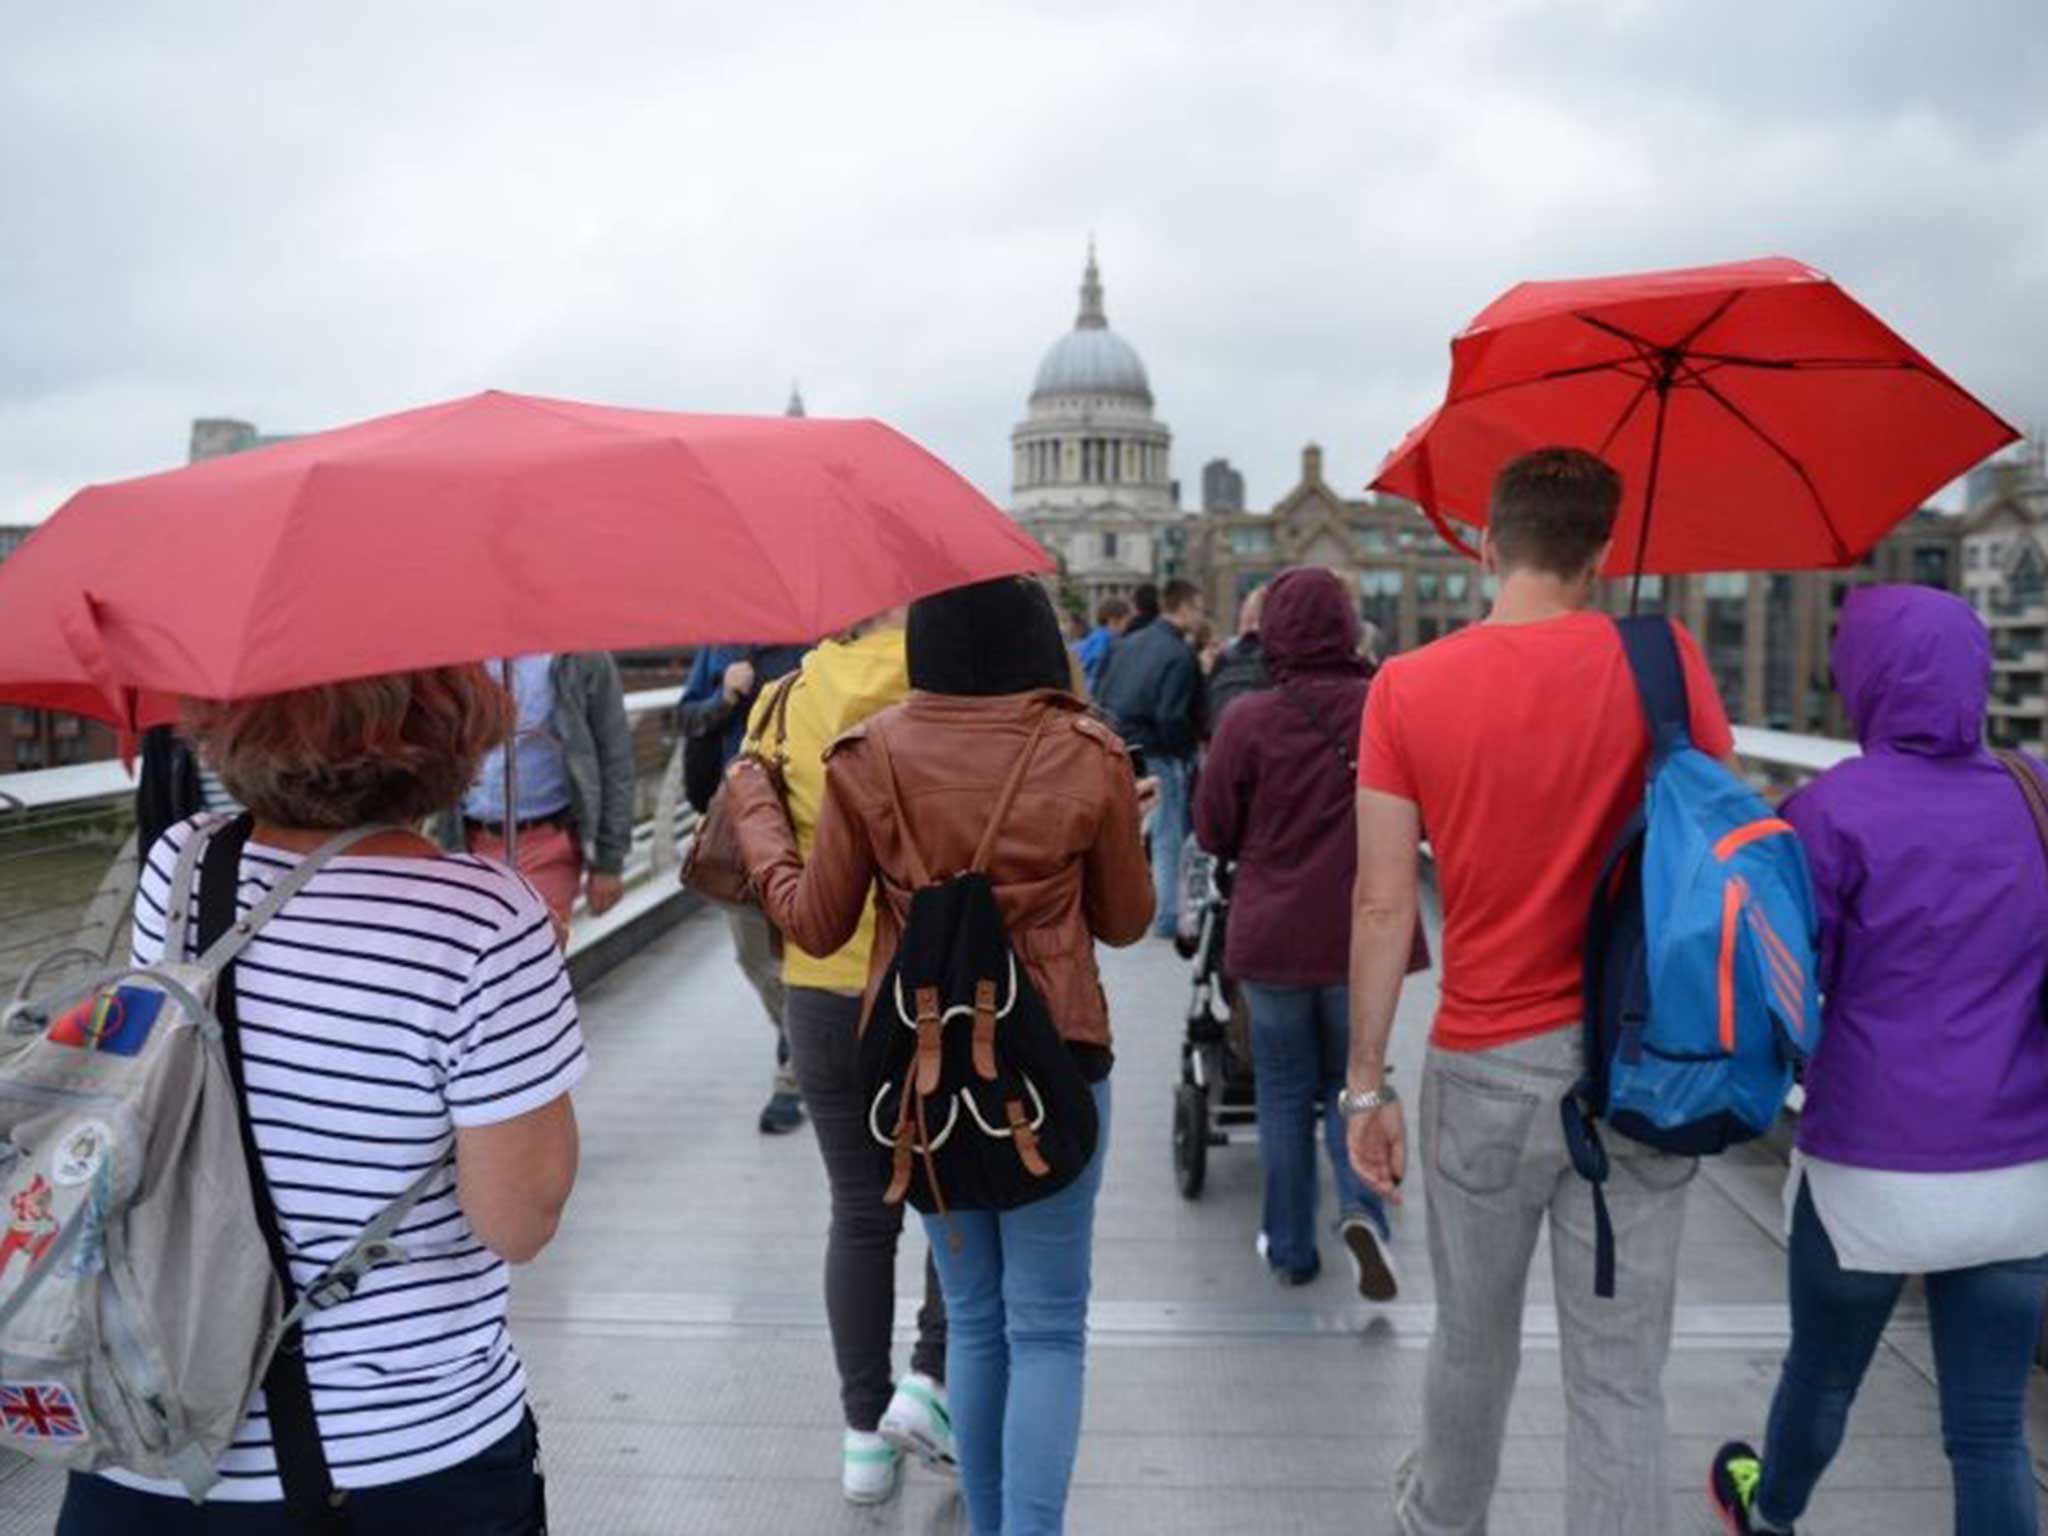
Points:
x=404 y=1005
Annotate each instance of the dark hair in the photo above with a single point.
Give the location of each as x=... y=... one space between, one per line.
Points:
x=1553 y=509
x=994 y=637
x=1178 y=594
x=1110 y=609
x=1145 y=601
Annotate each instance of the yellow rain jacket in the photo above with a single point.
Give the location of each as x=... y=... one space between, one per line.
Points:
x=840 y=684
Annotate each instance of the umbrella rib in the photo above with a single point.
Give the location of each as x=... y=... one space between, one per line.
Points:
x=1612 y=365
x=1819 y=505
x=1651 y=349
x=1627 y=414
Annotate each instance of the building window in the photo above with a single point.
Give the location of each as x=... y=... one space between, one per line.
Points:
x=1930 y=566
x=1251 y=542
x=1426 y=586
x=1109 y=546
x=1456 y=585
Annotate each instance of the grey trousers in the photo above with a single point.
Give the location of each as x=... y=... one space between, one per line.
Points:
x=754 y=942
x=1494 y=1158
x=860 y=1248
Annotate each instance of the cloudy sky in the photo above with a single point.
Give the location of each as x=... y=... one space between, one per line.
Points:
x=307 y=214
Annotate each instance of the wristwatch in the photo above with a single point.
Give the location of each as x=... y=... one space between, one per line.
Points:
x=1351 y=1105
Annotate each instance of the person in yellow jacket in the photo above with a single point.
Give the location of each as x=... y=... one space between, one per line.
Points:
x=841 y=683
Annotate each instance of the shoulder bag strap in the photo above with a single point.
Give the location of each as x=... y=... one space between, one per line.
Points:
x=2031 y=787
x=919 y=869
x=1007 y=798
x=1345 y=755
x=311 y=1500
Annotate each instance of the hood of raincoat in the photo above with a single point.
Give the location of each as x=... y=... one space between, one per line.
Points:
x=1913 y=667
x=994 y=637
x=1310 y=625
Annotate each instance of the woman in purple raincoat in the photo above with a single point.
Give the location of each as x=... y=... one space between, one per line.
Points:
x=1924 y=1145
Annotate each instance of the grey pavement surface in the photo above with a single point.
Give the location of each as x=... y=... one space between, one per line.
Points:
x=676 y=1336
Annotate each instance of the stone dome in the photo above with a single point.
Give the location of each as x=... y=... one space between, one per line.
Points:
x=1091 y=359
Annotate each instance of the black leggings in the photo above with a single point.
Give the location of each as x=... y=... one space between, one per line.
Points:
x=860 y=1251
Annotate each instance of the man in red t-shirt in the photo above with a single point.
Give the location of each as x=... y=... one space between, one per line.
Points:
x=1520 y=743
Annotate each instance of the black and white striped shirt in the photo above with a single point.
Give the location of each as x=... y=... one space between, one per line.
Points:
x=390 y=1002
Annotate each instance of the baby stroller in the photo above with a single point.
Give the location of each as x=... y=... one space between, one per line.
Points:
x=1215 y=1093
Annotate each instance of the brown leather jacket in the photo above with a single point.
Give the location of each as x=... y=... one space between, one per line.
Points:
x=1069 y=863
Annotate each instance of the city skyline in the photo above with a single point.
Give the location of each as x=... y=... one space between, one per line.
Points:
x=303 y=226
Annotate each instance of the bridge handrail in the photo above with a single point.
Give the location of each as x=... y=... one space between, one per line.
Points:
x=65 y=800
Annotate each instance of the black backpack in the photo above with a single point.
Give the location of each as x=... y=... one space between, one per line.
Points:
x=974 y=1100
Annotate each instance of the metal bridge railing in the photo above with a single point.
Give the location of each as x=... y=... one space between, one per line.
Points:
x=68 y=861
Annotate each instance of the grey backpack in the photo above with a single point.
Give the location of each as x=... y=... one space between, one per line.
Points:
x=141 y=1301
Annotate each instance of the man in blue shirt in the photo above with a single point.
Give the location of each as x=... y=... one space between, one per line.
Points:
x=717 y=698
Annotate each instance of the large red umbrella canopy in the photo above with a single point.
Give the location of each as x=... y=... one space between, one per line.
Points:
x=490 y=526
x=1760 y=417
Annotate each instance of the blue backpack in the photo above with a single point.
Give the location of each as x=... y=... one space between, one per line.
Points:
x=1701 y=993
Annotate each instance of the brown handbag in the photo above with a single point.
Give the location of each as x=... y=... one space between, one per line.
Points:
x=715 y=867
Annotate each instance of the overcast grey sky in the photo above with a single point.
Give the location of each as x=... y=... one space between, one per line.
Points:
x=307 y=214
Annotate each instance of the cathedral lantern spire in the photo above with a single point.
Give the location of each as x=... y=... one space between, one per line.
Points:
x=796 y=400
x=1093 y=318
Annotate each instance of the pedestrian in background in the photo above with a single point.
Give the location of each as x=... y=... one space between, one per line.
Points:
x=572 y=778
x=1923 y=1146
x=1278 y=801
x=718 y=696
x=1153 y=695
x=988 y=673
x=840 y=684
x=1112 y=617
x=1242 y=667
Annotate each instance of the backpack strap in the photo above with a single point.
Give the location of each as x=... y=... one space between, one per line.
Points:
x=2031 y=787
x=229 y=941
x=1007 y=798
x=1651 y=645
x=312 y=1502
x=182 y=895
x=919 y=869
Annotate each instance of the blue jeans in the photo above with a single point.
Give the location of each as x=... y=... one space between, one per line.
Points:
x=1017 y=1314
x=1169 y=827
x=1301 y=1037
x=1985 y=1323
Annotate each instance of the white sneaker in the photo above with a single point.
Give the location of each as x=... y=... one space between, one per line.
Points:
x=917 y=1423
x=1372 y=1259
x=871 y=1468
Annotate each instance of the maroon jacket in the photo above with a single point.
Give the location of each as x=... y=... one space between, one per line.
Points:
x=1278 y=791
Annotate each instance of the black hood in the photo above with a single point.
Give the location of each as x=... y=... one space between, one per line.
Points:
x=995 y=637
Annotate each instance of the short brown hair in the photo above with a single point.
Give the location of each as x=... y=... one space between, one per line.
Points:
x=394 y=749
x=1110 y=609
x=1177 y=594
x=1553 y=510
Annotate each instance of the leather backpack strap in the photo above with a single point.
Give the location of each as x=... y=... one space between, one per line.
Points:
x=1007 y=798
x=312 y=1502
x=2036 y=793
x=919 y=869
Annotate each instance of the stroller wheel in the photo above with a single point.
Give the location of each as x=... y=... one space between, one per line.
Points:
x=1190 y=1139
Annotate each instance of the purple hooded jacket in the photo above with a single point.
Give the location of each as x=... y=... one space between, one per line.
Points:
x=1934 y=908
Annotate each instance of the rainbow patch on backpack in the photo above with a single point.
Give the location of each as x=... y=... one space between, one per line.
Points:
x=117 y=1022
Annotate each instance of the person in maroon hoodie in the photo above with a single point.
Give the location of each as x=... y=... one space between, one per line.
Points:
x=1278 y=800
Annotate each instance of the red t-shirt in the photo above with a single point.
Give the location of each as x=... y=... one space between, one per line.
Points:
x=1524 y=746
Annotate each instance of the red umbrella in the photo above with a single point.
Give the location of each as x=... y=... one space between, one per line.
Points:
x=490 y=526
x=1760 y=417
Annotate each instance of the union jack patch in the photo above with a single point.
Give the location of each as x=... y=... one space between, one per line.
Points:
x=40 y=1410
